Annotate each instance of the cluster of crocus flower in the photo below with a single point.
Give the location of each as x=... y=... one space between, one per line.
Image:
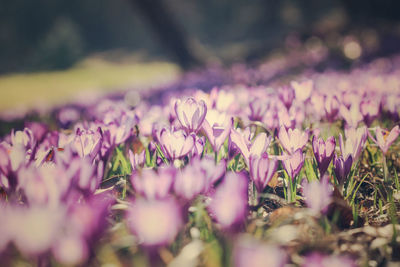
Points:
x=209 y=148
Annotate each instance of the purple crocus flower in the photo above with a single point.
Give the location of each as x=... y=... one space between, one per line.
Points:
x=331 y=107
x=190 y=113
x=317 y=194
x=88 y=142
x=342 y=167
x=352 y=116
x=286 y=95
x=355 y=142
x=154 y=185
x=250 y=252
x=190 y=182
x=137 y=159
x=384 y=139
x=256 y=148
x=317 y=259
x=293 y=163
x=229 y=202
x=370 y=109
x=292 y=140
x=176 y=143
x=154 y=222
x=217 y=127
x=323 y=152
x=302 y=89
x=262 y=168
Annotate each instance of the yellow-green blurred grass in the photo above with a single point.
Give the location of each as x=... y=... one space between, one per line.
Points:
x=26 y=91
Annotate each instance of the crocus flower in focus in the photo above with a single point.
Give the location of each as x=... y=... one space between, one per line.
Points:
x=317 y=259
x=190 y=113
x=250 y=252
x=256 y=148
x=262 y=168
x=292 y=140
x=293 y=163
x=384 y=139
x=323 y=152
x=317 y=194
x=154 y=222
x=342 y=166
x=176 y=143
x=355 y=142
x=229 y=202
x=217 y=127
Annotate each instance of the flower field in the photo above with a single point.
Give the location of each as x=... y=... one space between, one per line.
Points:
x=262 y=166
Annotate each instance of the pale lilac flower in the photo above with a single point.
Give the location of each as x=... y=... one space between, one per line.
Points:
x=257 y=109
x=247 y=148
x=228 y=204
x=286 y=95
x=323 y=152
x=262 y=169
x=355 y=142
x=318 y=194
x=154 y=222
x=154 y=185
x=176 y=143
x=137 y=159
x=342 y=166
x=370 y=109
x=217 y=127
x=331 y=107
x=292 y=140
x=190 y=182
x=302 y=89
x=70 y=249
x=88 y=142
x=191 y=113
x=293 y=163
x=317 y=259
x=351 y=116
x=250 y=252
x=212 y=172
x=384 y=139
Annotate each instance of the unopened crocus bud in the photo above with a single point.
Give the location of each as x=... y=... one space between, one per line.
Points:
x=323 y=152
x=190 y=113
x=261 y=170
x=342 y=167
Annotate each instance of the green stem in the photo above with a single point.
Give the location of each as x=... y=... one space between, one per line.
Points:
x=385 y=168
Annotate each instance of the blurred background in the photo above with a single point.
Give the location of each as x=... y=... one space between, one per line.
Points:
x=86 y=44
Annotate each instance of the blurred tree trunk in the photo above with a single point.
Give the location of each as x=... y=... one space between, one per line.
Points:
x=171 y=36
